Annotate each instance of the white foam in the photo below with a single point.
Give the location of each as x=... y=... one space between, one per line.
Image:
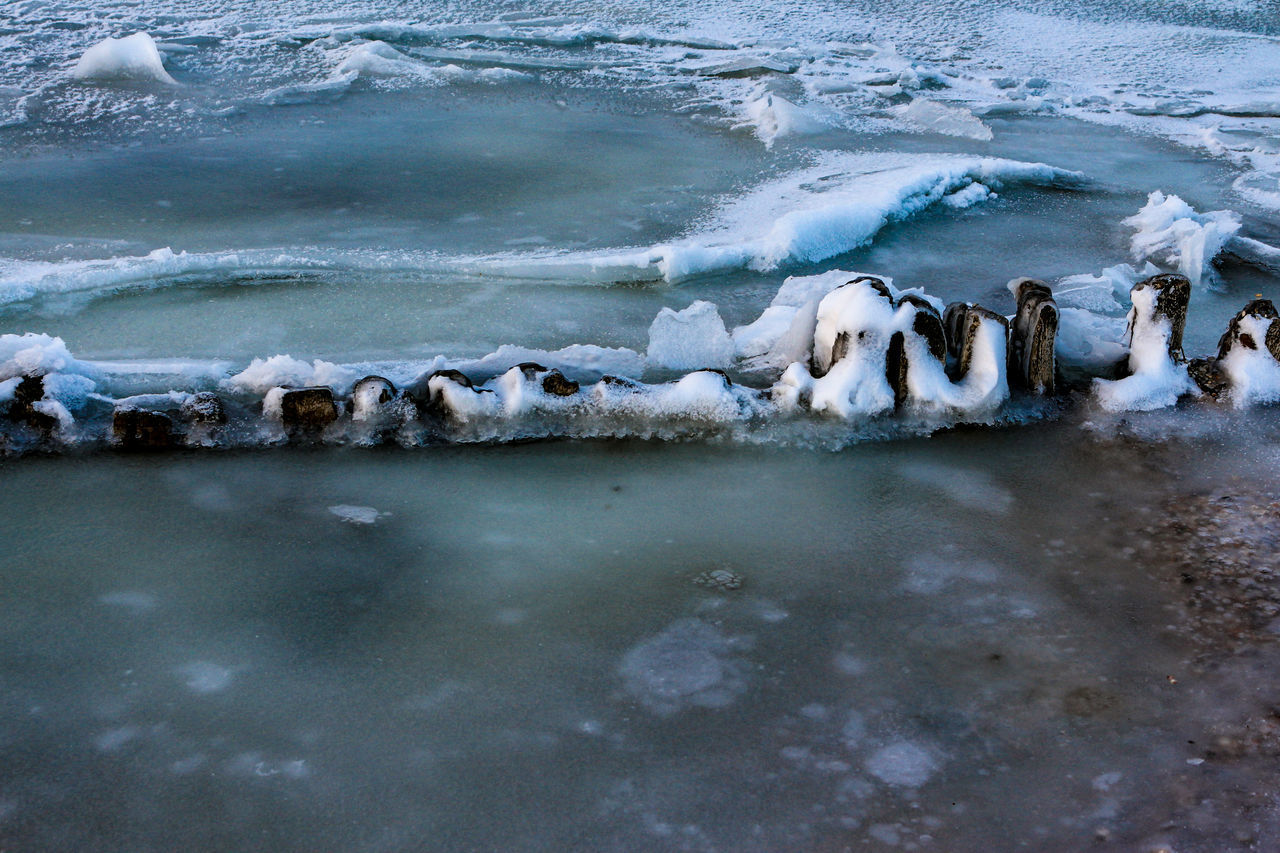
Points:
x=130 y=58
x=692 y=338
x=1171 y=232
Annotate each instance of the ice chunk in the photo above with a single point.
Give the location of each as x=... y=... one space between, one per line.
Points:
x=690 y=339
x=835 y=206
x=33 y=355
x=1171 y=232
x=379 y=59
x=771 y=116
x=902 y=763
x=357 y=514
x=975 y=193
x=205 y=677
x=283 y=370
x=944 y=118
x=113 y=739
x=130 y=58
x=967 y=486
x=688 y=663
x=138 y=602
x=1088 y=342
x=1098 y=293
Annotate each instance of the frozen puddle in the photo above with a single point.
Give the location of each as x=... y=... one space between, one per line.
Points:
x=852 y=654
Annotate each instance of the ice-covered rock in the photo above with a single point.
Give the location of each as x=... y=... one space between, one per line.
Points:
x=204 y=408
x=927 y=326
x=133 y=57
x=871 y=355
x=139 y=429
x=305 y=409
x=690 y=339
x=1249 y=354
x=370 y=398
x=1156 y=367
x=450 y=395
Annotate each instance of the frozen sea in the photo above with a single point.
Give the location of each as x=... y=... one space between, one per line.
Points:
x=685 y=614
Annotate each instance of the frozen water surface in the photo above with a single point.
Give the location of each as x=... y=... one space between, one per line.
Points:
x=522 y=635
x=782 y=632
